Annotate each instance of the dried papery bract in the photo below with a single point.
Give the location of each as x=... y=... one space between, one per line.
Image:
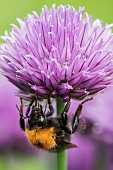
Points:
x=62 y=53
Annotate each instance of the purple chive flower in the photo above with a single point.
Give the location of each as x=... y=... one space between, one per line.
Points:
x=62 y=53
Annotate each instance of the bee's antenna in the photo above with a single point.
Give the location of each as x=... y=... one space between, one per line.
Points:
x=18 y=108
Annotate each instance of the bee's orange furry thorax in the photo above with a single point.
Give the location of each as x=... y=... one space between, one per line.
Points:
x=44 y=138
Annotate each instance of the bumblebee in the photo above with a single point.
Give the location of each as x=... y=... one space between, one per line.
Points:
x=47 y=132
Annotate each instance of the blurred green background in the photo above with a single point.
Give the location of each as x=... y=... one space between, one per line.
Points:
x=9 y=11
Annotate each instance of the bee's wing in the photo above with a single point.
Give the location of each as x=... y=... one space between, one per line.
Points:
x=69 y=145
x=64 y=144
x=81 y=126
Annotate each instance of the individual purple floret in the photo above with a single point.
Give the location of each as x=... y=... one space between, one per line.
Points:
x=62 y=53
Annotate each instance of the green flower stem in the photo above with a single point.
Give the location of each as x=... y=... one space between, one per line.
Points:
x=61 y=160
x=61 y=156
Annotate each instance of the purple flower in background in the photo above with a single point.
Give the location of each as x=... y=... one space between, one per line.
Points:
x=83 y=156
x=59 y=53
x=95 y=144
x=11 y=137
x=100 y=113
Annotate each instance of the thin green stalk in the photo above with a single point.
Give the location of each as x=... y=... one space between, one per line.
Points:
x=62 y=160
x=61 y=156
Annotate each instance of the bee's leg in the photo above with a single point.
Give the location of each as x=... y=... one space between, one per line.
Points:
x=22 y=122
x=29 y=106
x=50 y=113
x=64 y=116
x=76 y=117
x=75 y=121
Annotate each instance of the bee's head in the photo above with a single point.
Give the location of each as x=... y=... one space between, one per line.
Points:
x=37 y=117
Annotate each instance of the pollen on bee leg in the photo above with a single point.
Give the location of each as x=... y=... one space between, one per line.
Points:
x=44 y=138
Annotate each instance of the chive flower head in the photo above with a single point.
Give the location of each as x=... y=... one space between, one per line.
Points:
x=62 y=53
